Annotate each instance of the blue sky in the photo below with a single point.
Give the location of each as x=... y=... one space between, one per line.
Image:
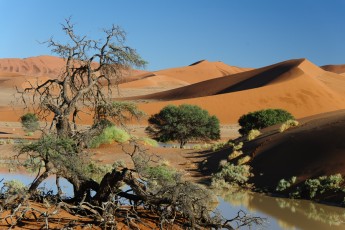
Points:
x=171 y=33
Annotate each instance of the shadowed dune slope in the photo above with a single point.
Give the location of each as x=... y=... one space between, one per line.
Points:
x=298 y=86
x=334 y=68
x=232 y=83
x=187 y=75
x=310 y=150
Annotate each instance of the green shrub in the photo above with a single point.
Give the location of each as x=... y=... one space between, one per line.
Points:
x=218 y=146
x=312 y=186
x=332 y=182
x=149 y=141
x=236 y=146
x=96 y=171
x=285 y=184
x=13 y=187
x=183 y=123
x=233 y=174
x=29 y=122
x=9 y=141
x=262 y=119
x=288 y=124
x=29 y=134
x=234 y=155
x=109 y=135
x=160 y=172
x=197 y=147
x=323 y=184
x=119 y=164
x=244 y=160
x=254 y=133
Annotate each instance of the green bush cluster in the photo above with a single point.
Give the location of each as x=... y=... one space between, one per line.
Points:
x=96 y=171
x=254 y=133
x=312 y=187
x=323 y=184
x=218 y=146
x=109 y=135
x=13 y=187
x=29 y=122
x=150 y=142
x=183 y=123
x=233 y=174
x=262 y=119
x=285 y=184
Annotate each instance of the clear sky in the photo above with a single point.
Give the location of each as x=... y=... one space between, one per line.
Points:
x=172 y=33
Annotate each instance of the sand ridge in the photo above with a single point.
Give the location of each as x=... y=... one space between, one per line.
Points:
x=334 y=68
x=228 y=92
x=297 y=85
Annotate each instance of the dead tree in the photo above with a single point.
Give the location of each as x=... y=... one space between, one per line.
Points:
x=92 y=68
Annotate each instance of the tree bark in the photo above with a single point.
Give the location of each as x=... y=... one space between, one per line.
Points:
x=63 y=127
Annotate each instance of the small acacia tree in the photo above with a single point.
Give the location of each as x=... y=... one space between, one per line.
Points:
x=183 y=123
x=262 y=119
x=29 y=122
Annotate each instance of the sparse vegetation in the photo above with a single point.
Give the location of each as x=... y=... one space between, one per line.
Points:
x=285 y=184
x=150 y=142
x=235 y=154
x=109 y=135
x=254 y=133
x=13 y=187
x=288 y=124
x=312 y=188
x=236 y=146
x=232 y=174
x=244 y=160
x=322 y=184
x=218 y=146
x=183 y=123
x=262 y=119
x=30 y=122
x=157 y=189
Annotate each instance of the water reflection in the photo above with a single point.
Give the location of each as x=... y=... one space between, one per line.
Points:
x=281 y=213
x=284 y=213
x=47 y=185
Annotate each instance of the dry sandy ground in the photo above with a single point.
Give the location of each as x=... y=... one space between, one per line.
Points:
x=182 y=159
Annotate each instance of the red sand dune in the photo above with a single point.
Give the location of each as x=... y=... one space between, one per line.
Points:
x=33 y=66
x=314 y=148
x=298 y=86
x=182 y=76
x=201 y=71
x=46 y=66
x=334 y=68
x=228 y=92
x=16 y=72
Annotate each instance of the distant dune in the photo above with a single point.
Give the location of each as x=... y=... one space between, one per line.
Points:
x=226 y=91
x=297 y=85
x=334 y=68
x=173 y=78
x=45 y=66
x=33 y=66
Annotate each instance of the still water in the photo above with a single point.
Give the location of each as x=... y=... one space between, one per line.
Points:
x=281 y=213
